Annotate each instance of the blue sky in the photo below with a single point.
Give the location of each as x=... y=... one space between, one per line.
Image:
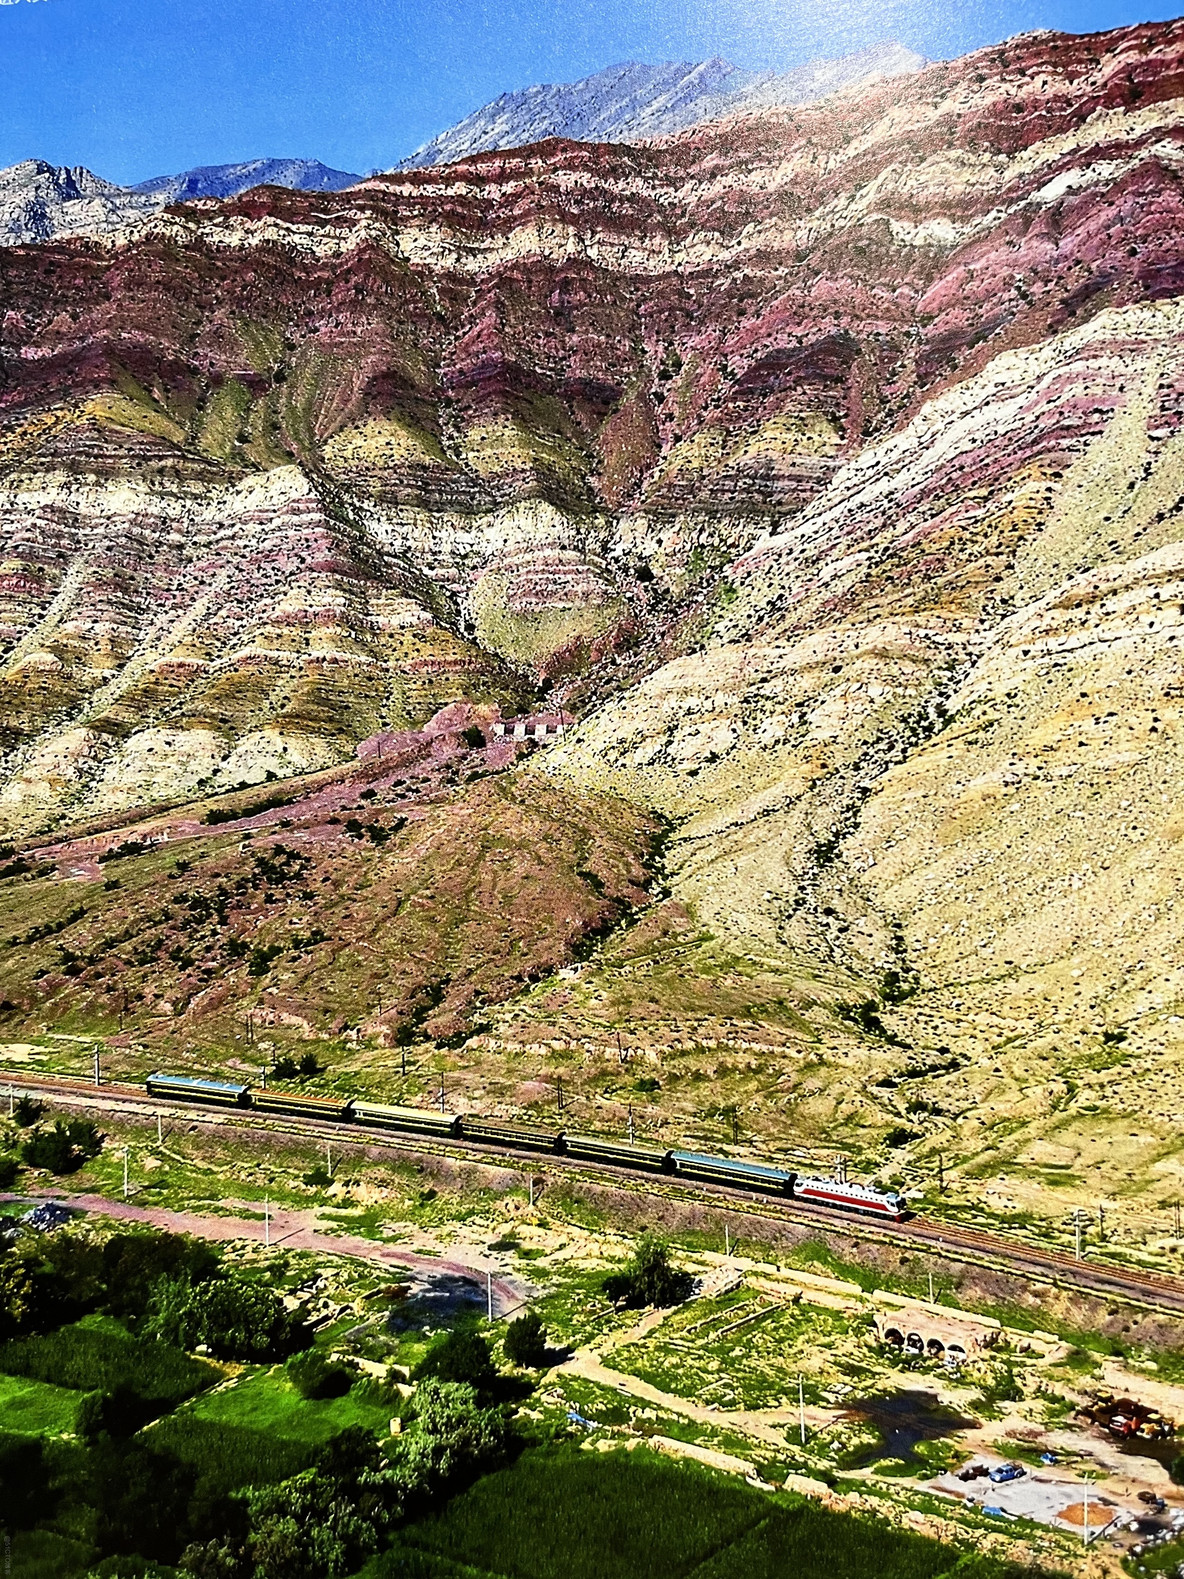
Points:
x=136 y=88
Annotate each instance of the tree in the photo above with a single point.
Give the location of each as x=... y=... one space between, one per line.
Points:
x=649 y=1279
x=1176 y=1471
x=17 y=1291
x=453 y=1438
x=526 y=1341
x=234 y=1319
x=459 y=1356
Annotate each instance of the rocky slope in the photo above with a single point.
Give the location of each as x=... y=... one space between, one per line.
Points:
x=829 y=458
x=633 y=101
x=39 y=201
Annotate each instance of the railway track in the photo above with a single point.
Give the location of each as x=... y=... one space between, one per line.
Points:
x=1146 y=1290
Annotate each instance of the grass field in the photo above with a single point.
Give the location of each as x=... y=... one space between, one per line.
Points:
x=229 y=1457
x=562 y=1514
x=267 y=1403
x=34 y=1408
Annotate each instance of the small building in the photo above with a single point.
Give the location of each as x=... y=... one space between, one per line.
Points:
x=541 y=727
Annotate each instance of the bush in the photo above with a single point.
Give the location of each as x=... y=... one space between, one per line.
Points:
x=65 y=1148
x=9 y=1168
x=526 y=1341
x=314 y=1375
x=27 y=1111
x=459 y=1356
x=285 y=1069
x=232 y=1318
x=1176 y=1471
x=649 y=1279
x=90 y=1360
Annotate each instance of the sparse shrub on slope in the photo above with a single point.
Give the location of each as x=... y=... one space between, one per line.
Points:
x=649 y=1279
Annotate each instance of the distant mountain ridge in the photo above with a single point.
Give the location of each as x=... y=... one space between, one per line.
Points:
x=633 y=101
x=624 y=103
x=227 y=180
x=39 y=201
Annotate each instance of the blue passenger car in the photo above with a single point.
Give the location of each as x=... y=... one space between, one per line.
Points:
x=188 y=1088
x=725 y=1170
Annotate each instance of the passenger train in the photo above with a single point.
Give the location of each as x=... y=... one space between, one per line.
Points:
x=699 y=1166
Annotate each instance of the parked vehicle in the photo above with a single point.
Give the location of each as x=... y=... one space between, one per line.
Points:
x=1005 y=1472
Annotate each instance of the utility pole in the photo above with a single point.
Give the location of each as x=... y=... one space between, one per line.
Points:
x=931 y=1301
x=489 y=1296
x=98 y=1071
x=267 y=1221
x=329 y=1159
x=125 y=1173
x=802 y=1409
x=441 y=1091
x=631 y=1123
x=11 y=1100
x=265 y=1077
x=530 y=1187
x=159 y=1130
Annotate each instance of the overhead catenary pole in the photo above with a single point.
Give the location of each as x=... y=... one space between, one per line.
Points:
x=98 y=1071
x=931 y=1288
x=267 y=1221
x=1085 y=1513
x=329 y=1159
x=631 y=1123
x=489 y=1295
x=125 y=1173
x=441 y=1091
x=802 y=1409
x=159 y=1130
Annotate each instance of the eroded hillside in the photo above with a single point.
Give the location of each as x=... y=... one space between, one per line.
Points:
x=827 y=462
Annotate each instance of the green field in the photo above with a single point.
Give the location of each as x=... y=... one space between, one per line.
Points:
x=33 y=1408
x=267 y=1403
x=559 y=1513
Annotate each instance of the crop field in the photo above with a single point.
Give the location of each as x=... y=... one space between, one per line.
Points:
x=561 y=1514
x=31 y=1408
x=265 y=1402
x=229 y=1456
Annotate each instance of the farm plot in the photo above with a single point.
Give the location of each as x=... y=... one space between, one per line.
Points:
x=745 y=1350
x=265 y=1402
x=561 y=1514
x=32 y=1408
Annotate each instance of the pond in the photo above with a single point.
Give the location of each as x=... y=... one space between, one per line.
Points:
x=903 y=1420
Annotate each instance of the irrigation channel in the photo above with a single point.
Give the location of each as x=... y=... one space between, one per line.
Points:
x=997 y=1252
